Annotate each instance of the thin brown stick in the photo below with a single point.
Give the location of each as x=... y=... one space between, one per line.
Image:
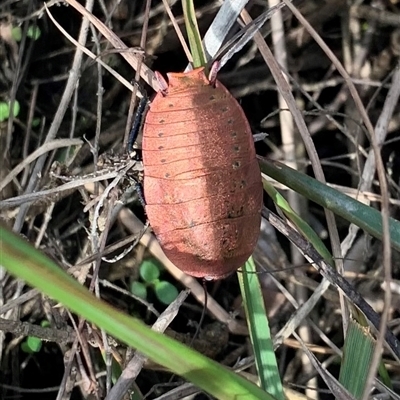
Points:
x=18 y=328
x=145 y=72
x=386 y=256
x=45 y=148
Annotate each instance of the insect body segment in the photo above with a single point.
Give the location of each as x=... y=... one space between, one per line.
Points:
x=202 y=183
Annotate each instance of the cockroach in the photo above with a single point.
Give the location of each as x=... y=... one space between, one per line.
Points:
x=202 y=182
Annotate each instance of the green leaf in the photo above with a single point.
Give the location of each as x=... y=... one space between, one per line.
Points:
x=149 y=270
x=260 y=334
x=192 y=29
x=16 y=33
x=301 y=225
x=16 y=108
x=139 y=289
x=352 y=210
x=358 y=351
x=35 y=122
x=31 y=345
x=4 y=111
x=166 y=292
x=24 y=261
x=45 y=324
x=25 y=348
x=33 y=32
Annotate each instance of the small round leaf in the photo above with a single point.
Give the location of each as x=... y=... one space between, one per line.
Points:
x=35 y=122
x=149 y=270
x=16 y=108
x=45 y=324
x=33 y=32
x=34 y=344
x=25 y=348
x=16 y=33
x=139 y=290
x=4 y=111
x=166 y=292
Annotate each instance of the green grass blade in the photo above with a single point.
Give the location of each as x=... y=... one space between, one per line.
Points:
x=301 y=225
x=357 y=356
x=352 y=210
x=24 y=261
x=192 y=29
x=260 y=335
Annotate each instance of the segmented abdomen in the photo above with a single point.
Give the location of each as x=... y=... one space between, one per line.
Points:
x=202 y=183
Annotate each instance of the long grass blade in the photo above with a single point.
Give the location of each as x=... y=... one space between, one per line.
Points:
x=260 y=334
x=196 y=45
x=352 y=210
x=24 y=261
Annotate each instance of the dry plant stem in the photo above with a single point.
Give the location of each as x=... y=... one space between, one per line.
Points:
x=334 y=278
x=327 y=111
x=301 y=313
x=100 y=203
x=68 y=360
x=18 y=328
x=178 y=31
x=95 y=148
x=32 y=106
x=97 y=246
x=100 y=91
x=39 y=13
x=15 y=84
x=135 y=365
x=111 y=248
x=353 y=65
x=43 y=149
x=284 y=89
x=145 y=72
x=333 y=233
x=128 y=294
x=374 y=14
x=95 y=282
x=18 y=301
x=18 y=200
x=336 y=388
x=65 y=99
x=90 y=54
x=383 y=185
x=381 y=130
x=289 y=144
x=156 y=10
x=43 y=228
x=84 y=350
x=132 y=103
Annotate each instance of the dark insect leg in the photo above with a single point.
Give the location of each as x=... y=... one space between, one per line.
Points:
x=136 y=127
x=135 y=152
x=139 y=190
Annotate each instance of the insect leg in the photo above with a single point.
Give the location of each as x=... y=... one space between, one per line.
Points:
x=139 y=190
x=137 y=126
